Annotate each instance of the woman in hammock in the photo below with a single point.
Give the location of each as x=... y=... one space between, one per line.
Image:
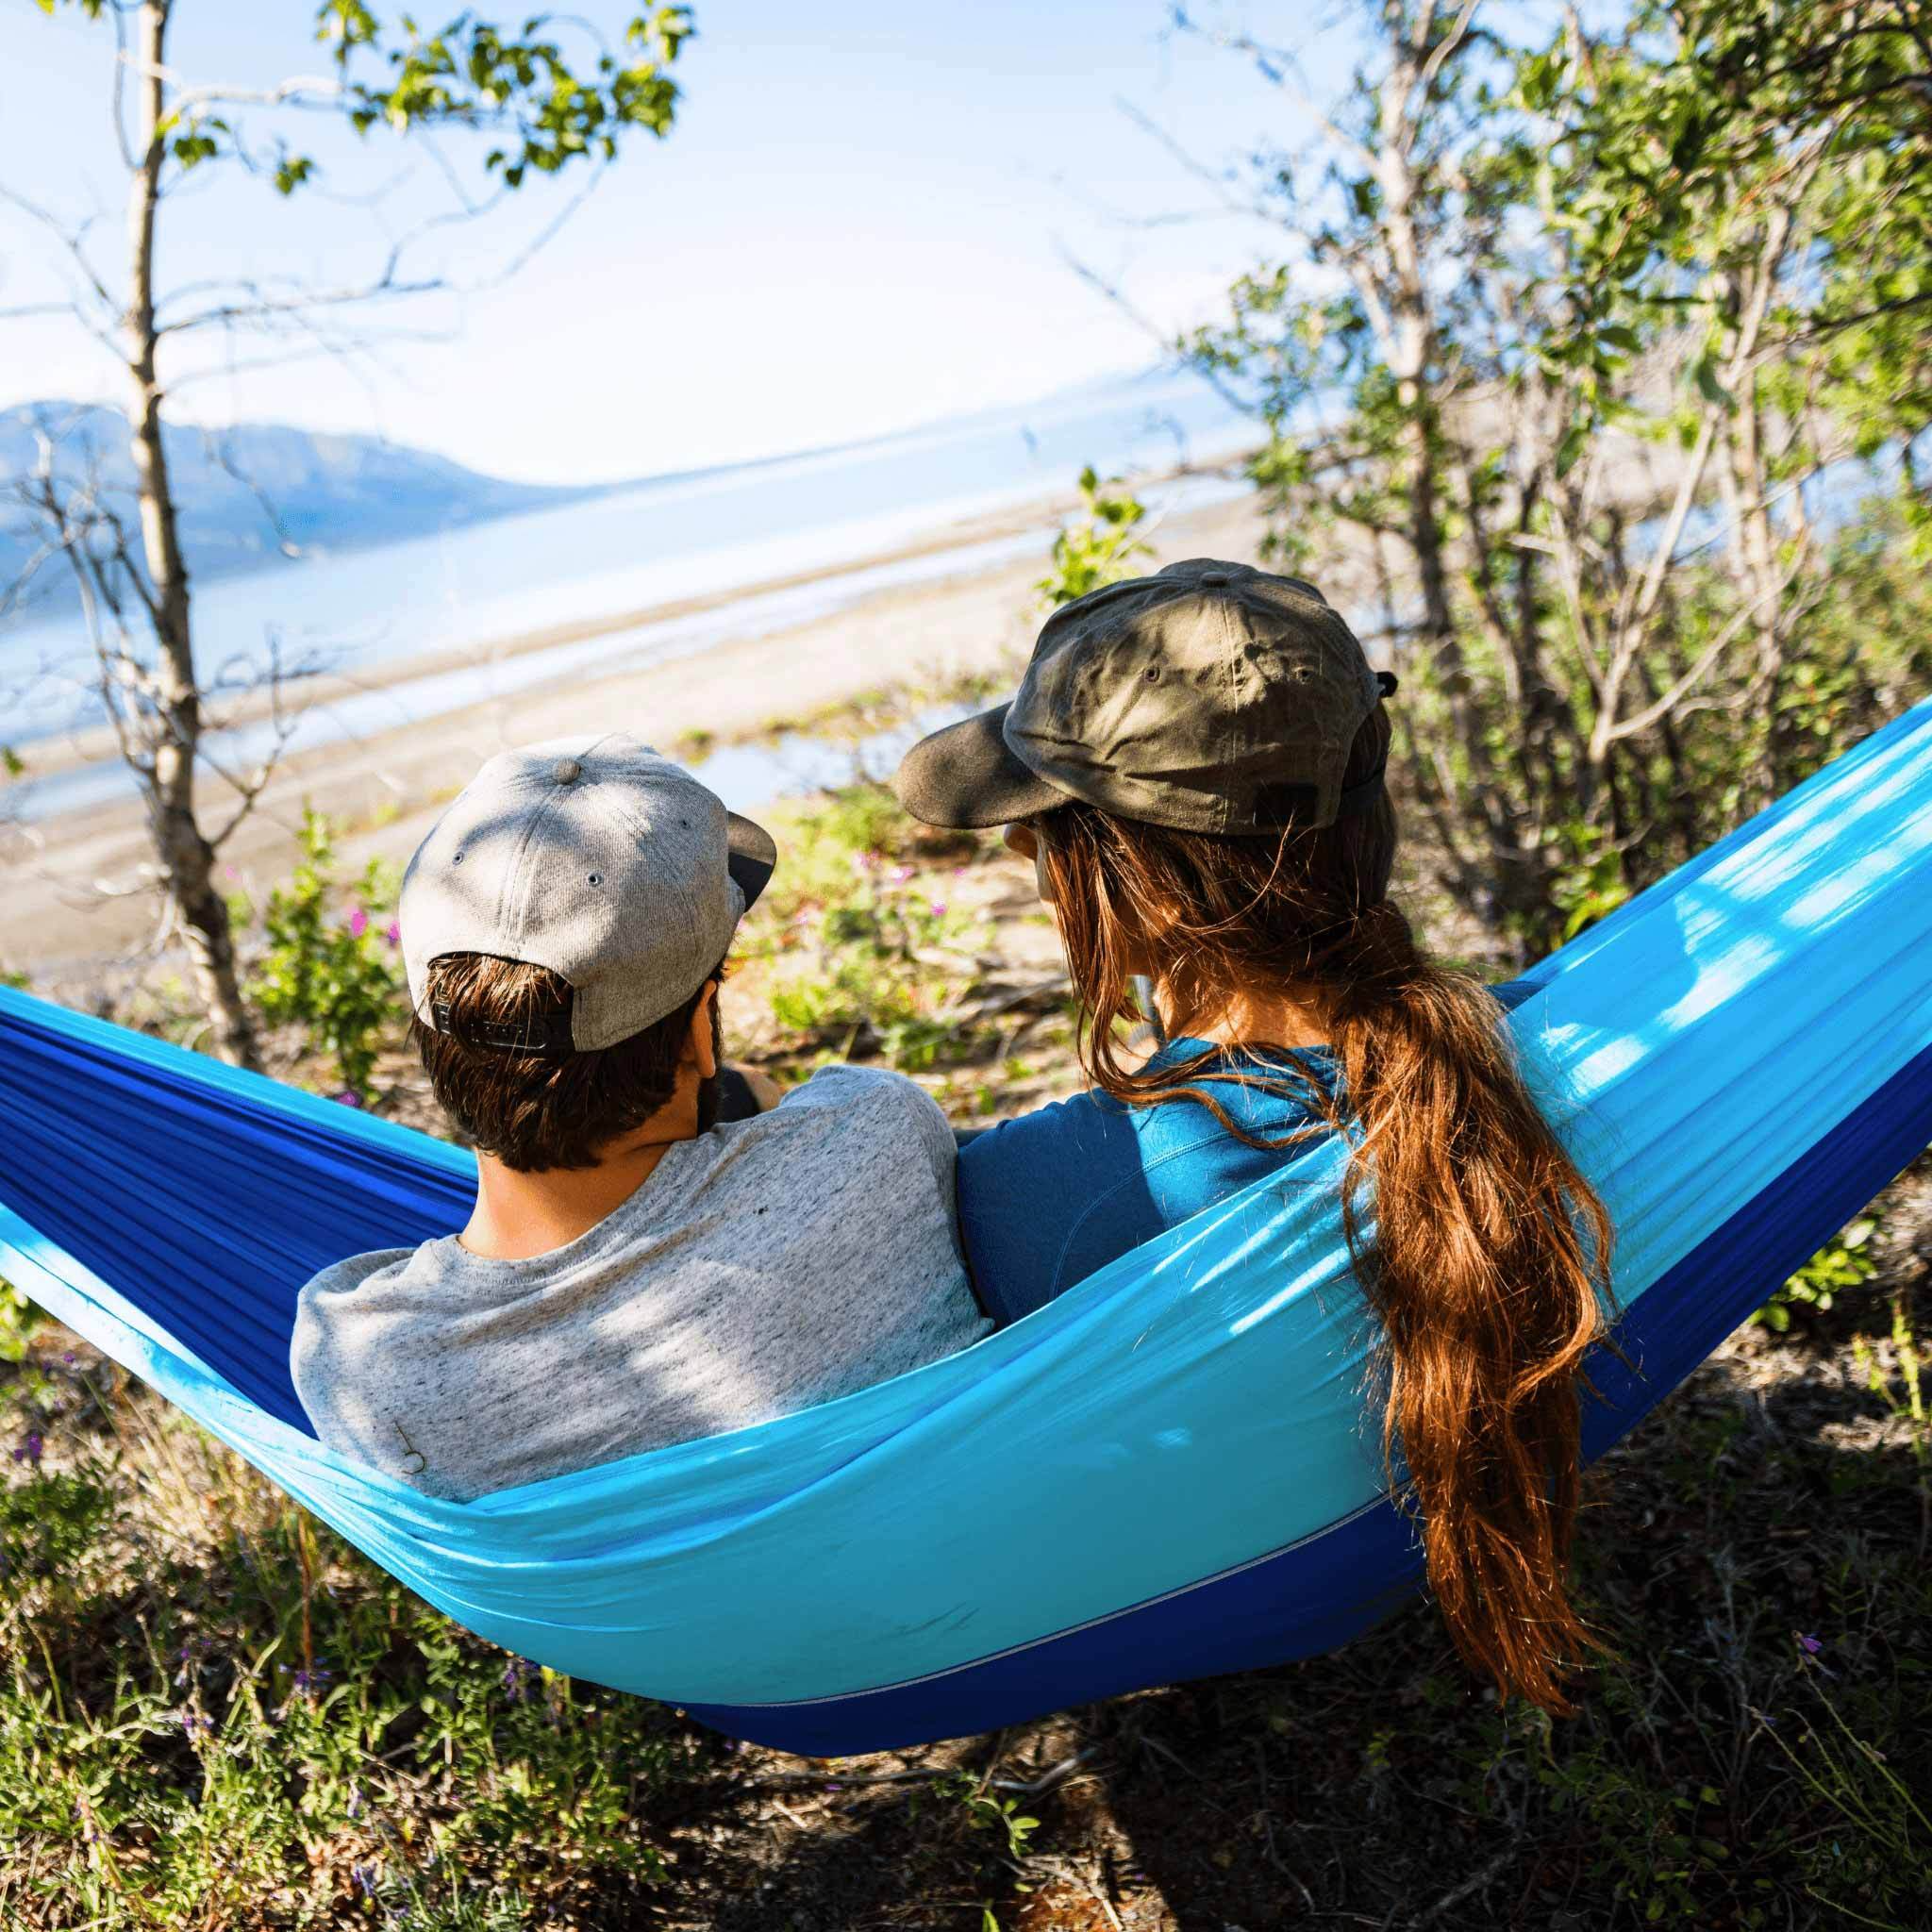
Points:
x=1195 y=762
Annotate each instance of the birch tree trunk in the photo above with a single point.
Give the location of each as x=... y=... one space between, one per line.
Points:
x=186 y=858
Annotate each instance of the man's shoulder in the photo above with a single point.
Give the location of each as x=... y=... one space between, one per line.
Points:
x=841 y=1084
x=846 y=1127
x=861 y=1100
x=348 y=1295
x=357 y=1270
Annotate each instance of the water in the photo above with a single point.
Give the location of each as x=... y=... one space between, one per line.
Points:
x=474 y=587
x=747 y=775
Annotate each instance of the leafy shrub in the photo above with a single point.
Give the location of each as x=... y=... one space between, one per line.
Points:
x=862 y=943
x=1099 y=549
x=19 y=1318
x=1843 y=1262
x=332 y=968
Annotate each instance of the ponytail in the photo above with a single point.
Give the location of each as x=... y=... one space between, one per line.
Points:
x=1490 y=1251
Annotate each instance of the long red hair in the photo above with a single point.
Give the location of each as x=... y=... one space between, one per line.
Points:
x=1488 y=1255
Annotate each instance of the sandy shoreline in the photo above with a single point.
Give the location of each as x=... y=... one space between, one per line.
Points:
x=92 y=745
x=73 y=884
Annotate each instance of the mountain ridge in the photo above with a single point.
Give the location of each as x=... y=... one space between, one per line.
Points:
x=252 y=493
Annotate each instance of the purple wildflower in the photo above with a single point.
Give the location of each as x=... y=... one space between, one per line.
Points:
x=311 y=1677
x=1809 y=1645
x=358 y=922
x=393 y=934
x=68 y=1358
x=347 y=1097
x=29 y=1449
x=355 y=1801
x=518 y=1675
x=362 y=1881
x=195 y=1725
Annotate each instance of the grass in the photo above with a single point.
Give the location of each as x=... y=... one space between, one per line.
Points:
x=861 y=947
x=214 y=1714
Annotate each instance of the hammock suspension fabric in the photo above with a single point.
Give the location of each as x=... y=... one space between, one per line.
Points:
x=1166 y=1473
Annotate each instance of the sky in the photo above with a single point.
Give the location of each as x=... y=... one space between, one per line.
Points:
x=863 y=220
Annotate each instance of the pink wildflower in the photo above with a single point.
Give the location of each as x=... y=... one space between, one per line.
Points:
x=393 y=934
x=1809 y=1645
x=347 y=1097
x=939 y=909
x=358 y=922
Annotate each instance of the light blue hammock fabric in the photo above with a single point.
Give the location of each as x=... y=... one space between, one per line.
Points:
x=1171 y=1471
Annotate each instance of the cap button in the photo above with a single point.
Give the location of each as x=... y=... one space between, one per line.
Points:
x=1216 y=577
x=567 y=771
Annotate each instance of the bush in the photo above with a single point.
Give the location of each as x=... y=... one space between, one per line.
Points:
x=1100 y=548
x=1843 y=1262
x=19 y=1318
x=862 y=942
x=331 y=965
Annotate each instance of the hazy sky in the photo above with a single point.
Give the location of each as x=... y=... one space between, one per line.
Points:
x=857 y=223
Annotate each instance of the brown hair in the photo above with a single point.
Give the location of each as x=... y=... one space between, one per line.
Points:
x=1489 y=1249
x=540 y=1110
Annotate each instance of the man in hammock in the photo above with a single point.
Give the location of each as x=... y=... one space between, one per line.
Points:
x=635 y=1271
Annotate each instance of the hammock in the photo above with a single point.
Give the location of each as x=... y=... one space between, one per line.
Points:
x=1168 y=1473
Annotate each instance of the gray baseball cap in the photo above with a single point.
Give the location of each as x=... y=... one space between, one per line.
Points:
x=593 y=856
x=1210 y=697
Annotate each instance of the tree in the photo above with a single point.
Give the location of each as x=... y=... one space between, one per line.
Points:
x=543 y=108
x=1373 y=310
x=1584 y=328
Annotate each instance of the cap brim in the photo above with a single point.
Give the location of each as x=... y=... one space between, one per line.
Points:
x=751 y=857
x=966 y=776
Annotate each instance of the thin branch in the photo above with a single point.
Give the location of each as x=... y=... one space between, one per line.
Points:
x=1214 y=180
x=1095 y=280
x=269 y=308
x=72 y=240
x=1669 y=699
x=1449 y=44
x=1276 y=65
x=26 y=310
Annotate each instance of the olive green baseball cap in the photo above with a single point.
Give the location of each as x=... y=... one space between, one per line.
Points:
x=1210 y=697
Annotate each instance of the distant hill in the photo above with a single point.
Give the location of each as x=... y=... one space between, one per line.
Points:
x=244 y=493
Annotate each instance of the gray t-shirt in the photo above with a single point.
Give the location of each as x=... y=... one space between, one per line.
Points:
x=766 y=1266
